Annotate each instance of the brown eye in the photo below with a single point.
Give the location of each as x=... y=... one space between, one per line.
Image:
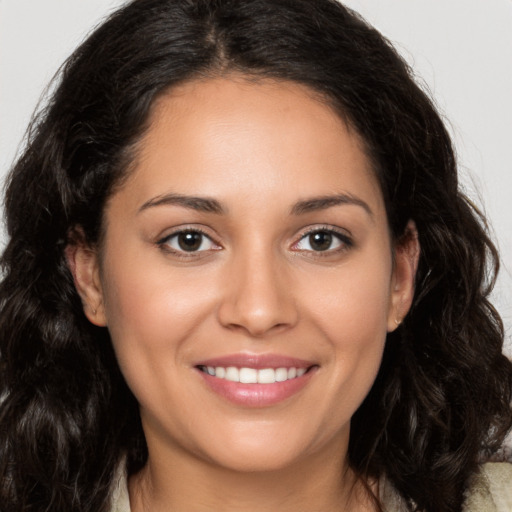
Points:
x=320 y=241
x=188 y=241
x=323 y=240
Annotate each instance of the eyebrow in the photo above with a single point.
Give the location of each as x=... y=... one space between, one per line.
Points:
x=208 y=205
x=200 y=204
x=323 y=202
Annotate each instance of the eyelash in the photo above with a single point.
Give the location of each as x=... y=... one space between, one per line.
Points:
x=345 y=242
x=164 y=242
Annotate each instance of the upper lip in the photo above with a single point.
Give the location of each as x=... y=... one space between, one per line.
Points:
x=256 y=361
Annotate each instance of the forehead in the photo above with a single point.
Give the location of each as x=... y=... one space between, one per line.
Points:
x=228 y=137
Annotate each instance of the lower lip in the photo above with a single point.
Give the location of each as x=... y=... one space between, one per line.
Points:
x=257 y=395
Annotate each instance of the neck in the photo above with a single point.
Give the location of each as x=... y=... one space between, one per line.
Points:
x=180 y=484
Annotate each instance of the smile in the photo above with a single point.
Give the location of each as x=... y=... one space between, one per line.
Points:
x=246 y=375
x=256 y=381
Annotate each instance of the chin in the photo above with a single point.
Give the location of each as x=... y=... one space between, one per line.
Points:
x=267 y=448
x=251 y=460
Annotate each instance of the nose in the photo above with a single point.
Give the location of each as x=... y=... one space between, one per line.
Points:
x=258 y=296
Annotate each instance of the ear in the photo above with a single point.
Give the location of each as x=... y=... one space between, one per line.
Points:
x=83 y=263
x=407 y=252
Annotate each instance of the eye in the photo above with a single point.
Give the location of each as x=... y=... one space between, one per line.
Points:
x=189 y=240
x=322 y=240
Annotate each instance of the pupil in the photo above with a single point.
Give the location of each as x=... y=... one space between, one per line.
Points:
x=320 y=241
x=190 y=240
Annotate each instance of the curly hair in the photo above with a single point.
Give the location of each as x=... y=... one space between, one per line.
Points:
x=67 y=417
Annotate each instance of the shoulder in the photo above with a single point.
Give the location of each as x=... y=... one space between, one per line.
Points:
x=490 y=490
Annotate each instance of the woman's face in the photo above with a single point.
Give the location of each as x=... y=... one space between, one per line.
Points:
x=250 y=241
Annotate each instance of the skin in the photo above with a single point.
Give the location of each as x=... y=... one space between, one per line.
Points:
x=255 y=286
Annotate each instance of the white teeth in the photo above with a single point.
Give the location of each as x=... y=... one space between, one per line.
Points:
x=266 y=376
x=248 y=375
x=232 y=374
x=253 y=376
x=281 y=374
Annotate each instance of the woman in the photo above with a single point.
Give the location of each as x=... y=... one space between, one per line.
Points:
x=241 y=276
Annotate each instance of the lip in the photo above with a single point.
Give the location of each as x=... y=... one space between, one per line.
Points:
x=257 y=395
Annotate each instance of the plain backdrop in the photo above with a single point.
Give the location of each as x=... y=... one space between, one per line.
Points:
x=461 y=50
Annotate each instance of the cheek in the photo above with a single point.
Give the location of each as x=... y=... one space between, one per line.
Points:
x=351 y=310
x=352 y=303
x=144 y=294
x=355 y=325
x=150 y=312
x=150 y=316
